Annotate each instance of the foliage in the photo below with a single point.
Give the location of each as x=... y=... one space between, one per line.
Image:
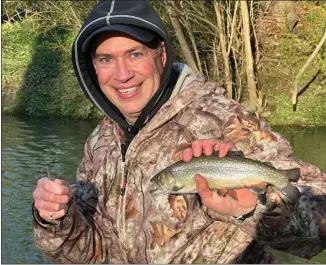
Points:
x=38 y=76
x=221 y=45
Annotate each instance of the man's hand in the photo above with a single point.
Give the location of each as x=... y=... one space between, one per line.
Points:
x=207 y=146
x=51 y=198
x=246 y=200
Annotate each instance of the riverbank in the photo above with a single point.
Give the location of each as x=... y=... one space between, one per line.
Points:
x=38 y=78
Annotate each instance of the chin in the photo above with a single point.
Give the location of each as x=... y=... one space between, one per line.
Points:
x=132 y=114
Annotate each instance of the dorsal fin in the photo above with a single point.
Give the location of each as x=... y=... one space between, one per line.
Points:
x=231 y=154
x=235 y=154
x=267 y=163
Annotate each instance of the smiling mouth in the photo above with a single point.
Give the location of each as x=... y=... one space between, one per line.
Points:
x=128 y=90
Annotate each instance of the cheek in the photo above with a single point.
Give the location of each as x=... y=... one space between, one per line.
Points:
x=102 y=77
x=147 y=69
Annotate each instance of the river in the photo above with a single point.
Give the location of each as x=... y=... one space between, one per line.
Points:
x=30 y=145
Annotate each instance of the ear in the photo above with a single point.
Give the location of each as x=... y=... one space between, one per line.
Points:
x=163 y=53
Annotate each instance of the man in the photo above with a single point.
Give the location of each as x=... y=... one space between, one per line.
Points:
x=159 y=113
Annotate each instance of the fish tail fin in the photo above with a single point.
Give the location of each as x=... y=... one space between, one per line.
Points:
x=292 y=174
x=291 y=192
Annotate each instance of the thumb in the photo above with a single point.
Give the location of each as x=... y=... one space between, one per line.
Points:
x=66 y=184
x=61 y=182
x=202 y=187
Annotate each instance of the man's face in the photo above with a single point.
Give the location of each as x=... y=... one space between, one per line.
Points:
x=128 y=73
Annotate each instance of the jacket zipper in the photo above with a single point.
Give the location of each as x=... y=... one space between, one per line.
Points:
x=121 y=222
x=122 y=201
x=124 y=174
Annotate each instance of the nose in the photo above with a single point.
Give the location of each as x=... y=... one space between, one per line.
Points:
x=123 y=72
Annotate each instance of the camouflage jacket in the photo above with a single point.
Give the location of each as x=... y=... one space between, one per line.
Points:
x=105 y=224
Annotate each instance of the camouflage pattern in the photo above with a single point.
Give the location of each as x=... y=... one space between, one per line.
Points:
x=104 y=226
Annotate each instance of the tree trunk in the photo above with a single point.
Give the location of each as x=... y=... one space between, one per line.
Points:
x=251 y=82
x=227 y=71
x=182 y=41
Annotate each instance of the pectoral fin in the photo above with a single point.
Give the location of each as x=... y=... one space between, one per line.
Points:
x=177 y=188
x=221 y=192
x=233 y=194
x=258 y=187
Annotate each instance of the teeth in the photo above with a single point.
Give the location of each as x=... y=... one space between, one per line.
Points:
x=128 y=90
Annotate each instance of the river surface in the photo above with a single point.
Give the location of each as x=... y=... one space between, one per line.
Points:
x=30 y=145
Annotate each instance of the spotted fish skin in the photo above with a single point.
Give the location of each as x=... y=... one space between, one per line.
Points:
x=230 y=172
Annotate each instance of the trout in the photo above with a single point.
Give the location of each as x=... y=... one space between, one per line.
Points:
x=230 y=172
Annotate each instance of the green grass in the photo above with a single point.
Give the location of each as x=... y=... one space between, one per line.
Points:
x=286 y=258
x=37 y=73
x=285 y=61
x=311 y=110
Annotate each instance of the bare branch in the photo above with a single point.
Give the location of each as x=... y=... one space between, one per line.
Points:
x=182 y=40
x=223 y=44
x=193 y=43
x=303 y=69
x=234 y=19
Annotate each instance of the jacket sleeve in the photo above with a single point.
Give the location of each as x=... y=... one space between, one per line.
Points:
x=300 y=227
x=75 y=238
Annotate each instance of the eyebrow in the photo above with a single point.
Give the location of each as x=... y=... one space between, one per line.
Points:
x=126 y=52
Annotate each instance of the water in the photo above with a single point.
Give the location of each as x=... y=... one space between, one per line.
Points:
x=29 y=145
x=309 y=144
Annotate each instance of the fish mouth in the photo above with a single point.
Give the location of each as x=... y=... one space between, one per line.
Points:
x=157 y=189
x=157 y=192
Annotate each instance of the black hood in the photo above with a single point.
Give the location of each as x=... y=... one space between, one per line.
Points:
x=133 y=12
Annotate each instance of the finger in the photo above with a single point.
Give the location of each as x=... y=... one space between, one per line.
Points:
x=202 y=187
x=51 y=197
x=66 y=184
x=224 y=148
x=49 y=206
x=62 y=182
x=210 y=199
x=246 y=198
x=208 y=146
x=187 y=154
x=49 y=185
x=197 y=148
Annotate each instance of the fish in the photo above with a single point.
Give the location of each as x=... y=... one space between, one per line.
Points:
x=222 y=174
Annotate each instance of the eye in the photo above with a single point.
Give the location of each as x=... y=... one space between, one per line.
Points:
x=136 y=54
x=104 y=59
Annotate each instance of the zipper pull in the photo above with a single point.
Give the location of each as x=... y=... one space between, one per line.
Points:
x=123 y=152
x=124 y=184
